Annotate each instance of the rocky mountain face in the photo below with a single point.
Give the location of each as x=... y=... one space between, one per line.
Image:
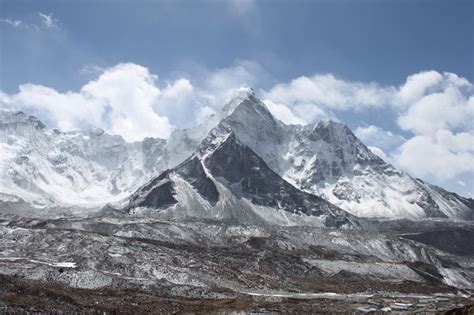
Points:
x=226 y=180
x=264 y=163
x=329 y=161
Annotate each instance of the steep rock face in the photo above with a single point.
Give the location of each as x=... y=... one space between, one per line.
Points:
x=229 y=181
x=160 y=192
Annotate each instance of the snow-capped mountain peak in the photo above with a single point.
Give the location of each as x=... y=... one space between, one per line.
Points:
x=328 y=160
x=49 y=167
x=244 y=91
x=242 y=97
x=226 y=180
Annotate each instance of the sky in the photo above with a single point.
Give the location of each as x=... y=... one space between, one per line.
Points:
x=399 y=73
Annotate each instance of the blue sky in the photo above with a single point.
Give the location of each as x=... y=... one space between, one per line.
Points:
x=381 y=41
x=385 y=68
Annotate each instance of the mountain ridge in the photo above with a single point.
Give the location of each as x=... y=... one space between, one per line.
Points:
x=325 y=159
x=229 y=182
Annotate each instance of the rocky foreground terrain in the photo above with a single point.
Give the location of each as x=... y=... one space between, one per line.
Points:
x=113 y=262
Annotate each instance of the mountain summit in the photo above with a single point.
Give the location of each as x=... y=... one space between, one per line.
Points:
x=225 y=180
x=328 y=160
x=46 y=168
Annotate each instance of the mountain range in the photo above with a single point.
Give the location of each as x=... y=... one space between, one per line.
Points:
x=240 y=213
x=241 y=165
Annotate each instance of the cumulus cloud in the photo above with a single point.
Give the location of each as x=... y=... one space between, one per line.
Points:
x=417 y=85
x=375 y=136
x=327 y=91
x=443 y=110
x=424 y=155
x=440 y=115
x=323 y=94
x=189 y=98
x=120 y=101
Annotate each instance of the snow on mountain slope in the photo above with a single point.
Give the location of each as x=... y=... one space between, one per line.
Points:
x=184 y=142
x=47 y=167
x=51 y=168
x=328 y=160
x=225 y=180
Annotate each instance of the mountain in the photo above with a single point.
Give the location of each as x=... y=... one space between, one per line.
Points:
x=226 y=180
x=328 y=160
x=231 y=215
x=47 y=167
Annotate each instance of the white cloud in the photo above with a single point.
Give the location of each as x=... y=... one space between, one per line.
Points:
x=378 y=137
x=120 y=101
x=446 y=109
x=441 y=117
x=428 y=156
x=48 y=20
x=14 y=23
x=311 y=113
x=317 y=97
x=283 y=113
x=128 y=93
x=417 y=85
x=178 y=101
x=327 y=91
